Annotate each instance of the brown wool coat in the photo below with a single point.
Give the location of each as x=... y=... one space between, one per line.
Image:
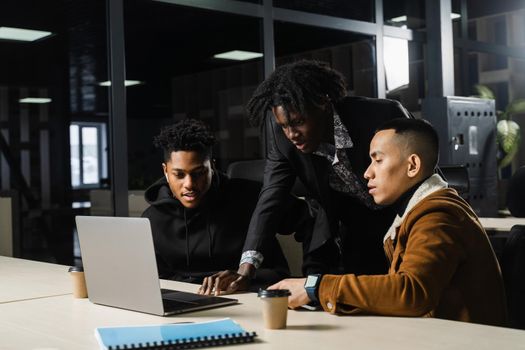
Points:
x=442 y=266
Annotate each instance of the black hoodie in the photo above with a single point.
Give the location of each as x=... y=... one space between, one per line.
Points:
x=191 y=244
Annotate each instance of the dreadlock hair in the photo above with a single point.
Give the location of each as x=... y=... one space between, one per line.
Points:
x=185 y=135
x=297 y=87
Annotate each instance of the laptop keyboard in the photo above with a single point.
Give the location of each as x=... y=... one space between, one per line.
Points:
x=181 y=297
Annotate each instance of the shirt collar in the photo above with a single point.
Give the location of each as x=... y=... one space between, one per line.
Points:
x=341 y=137
x=342 y=140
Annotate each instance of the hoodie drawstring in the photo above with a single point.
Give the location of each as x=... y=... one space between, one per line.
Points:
x=187 y=240
x=210 y=238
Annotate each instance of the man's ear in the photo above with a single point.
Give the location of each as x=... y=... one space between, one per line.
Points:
x=164 y=169
x=414 y=165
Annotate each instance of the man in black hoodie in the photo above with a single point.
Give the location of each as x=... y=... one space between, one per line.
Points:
x=199 y=217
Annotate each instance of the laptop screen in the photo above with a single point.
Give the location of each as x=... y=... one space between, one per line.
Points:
x=121 y=271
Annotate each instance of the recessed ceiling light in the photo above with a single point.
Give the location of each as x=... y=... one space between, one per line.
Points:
x=126 y=83
x=20 y=34
x=34 y=100
x=238 y=55
x=399 y=19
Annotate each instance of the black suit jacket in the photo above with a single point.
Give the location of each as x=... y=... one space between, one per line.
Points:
x=284 y=163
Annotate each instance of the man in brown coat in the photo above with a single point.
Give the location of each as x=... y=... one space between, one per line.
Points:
x=441 y=261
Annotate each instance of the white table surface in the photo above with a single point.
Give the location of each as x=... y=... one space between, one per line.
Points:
x=63 y=322
x=25 y=279
x=500 y=224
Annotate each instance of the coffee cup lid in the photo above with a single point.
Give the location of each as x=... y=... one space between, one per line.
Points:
x=76 y=269
x=273 y=293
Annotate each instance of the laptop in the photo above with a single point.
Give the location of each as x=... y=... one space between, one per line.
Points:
x=121 y=270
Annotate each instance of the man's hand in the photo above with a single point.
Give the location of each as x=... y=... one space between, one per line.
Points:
x=296 y=287
x=228 y=281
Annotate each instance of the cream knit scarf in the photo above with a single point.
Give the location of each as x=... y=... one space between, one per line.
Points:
x=430 y=185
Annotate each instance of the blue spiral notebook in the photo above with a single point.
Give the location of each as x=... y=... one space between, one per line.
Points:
x=173 y=336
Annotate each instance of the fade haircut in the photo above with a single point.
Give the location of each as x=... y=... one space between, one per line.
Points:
x=185 y=135
x=297 y=87
x=416 y=136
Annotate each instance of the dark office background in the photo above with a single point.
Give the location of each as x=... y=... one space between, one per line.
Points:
x=57 y=153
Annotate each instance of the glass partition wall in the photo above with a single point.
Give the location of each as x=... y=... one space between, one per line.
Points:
x=489 y=38
x=201 y=64
x=52 y=57
x=175 y=59
x=89 y=142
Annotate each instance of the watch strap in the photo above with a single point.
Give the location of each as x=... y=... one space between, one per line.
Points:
x=312 y=291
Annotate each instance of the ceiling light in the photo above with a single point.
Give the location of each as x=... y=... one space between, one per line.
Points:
x=238 y=55
x=455 y=15
x=399 y=19
x=126 y=83
x=20 y=34
x=34 y=100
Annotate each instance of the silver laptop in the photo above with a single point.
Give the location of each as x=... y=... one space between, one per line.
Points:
x=121 y=270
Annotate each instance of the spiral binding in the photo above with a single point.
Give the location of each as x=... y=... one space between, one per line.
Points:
x=191 y=343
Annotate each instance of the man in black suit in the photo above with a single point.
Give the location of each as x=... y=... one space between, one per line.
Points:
x=321 y=136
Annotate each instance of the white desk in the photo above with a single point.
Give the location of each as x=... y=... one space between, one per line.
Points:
x=501 y=224
x=63 y=322
x=25 y=279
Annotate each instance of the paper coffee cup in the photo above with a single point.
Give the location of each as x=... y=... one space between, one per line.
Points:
x=275 y=307
x=79 y=282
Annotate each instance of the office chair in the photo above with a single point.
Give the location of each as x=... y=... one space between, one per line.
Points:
x=254 y=170
x=516 y=193
x=247 y=169
x=456 y=176
x=513 y=270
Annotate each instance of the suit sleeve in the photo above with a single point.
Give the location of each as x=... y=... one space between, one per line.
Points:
x=279 y=177
x=433 y=252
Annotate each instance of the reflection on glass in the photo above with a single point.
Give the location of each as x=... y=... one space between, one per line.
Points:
x=405 y=72
x=90 y=155
x=396 y=63
x=206 y=66
x=362 y=10
x=494 y=71
x=21 y=34
x=51 y=54
x=238 y=55
x=351 y=54
x=404 y=13
x=492 y=21
x=75 y=156
x=88 y=143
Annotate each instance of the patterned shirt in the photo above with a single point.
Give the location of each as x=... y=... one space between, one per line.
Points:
x=341 y=177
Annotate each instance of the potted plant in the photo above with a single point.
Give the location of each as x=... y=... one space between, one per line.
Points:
x=508 y=131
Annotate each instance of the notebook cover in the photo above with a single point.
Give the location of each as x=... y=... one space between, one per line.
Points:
x=166 y=333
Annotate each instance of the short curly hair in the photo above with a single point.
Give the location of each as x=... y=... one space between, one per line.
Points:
x=185 y=135
x=297 y=87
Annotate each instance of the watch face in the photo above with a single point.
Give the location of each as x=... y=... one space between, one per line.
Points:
x=310 y=281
